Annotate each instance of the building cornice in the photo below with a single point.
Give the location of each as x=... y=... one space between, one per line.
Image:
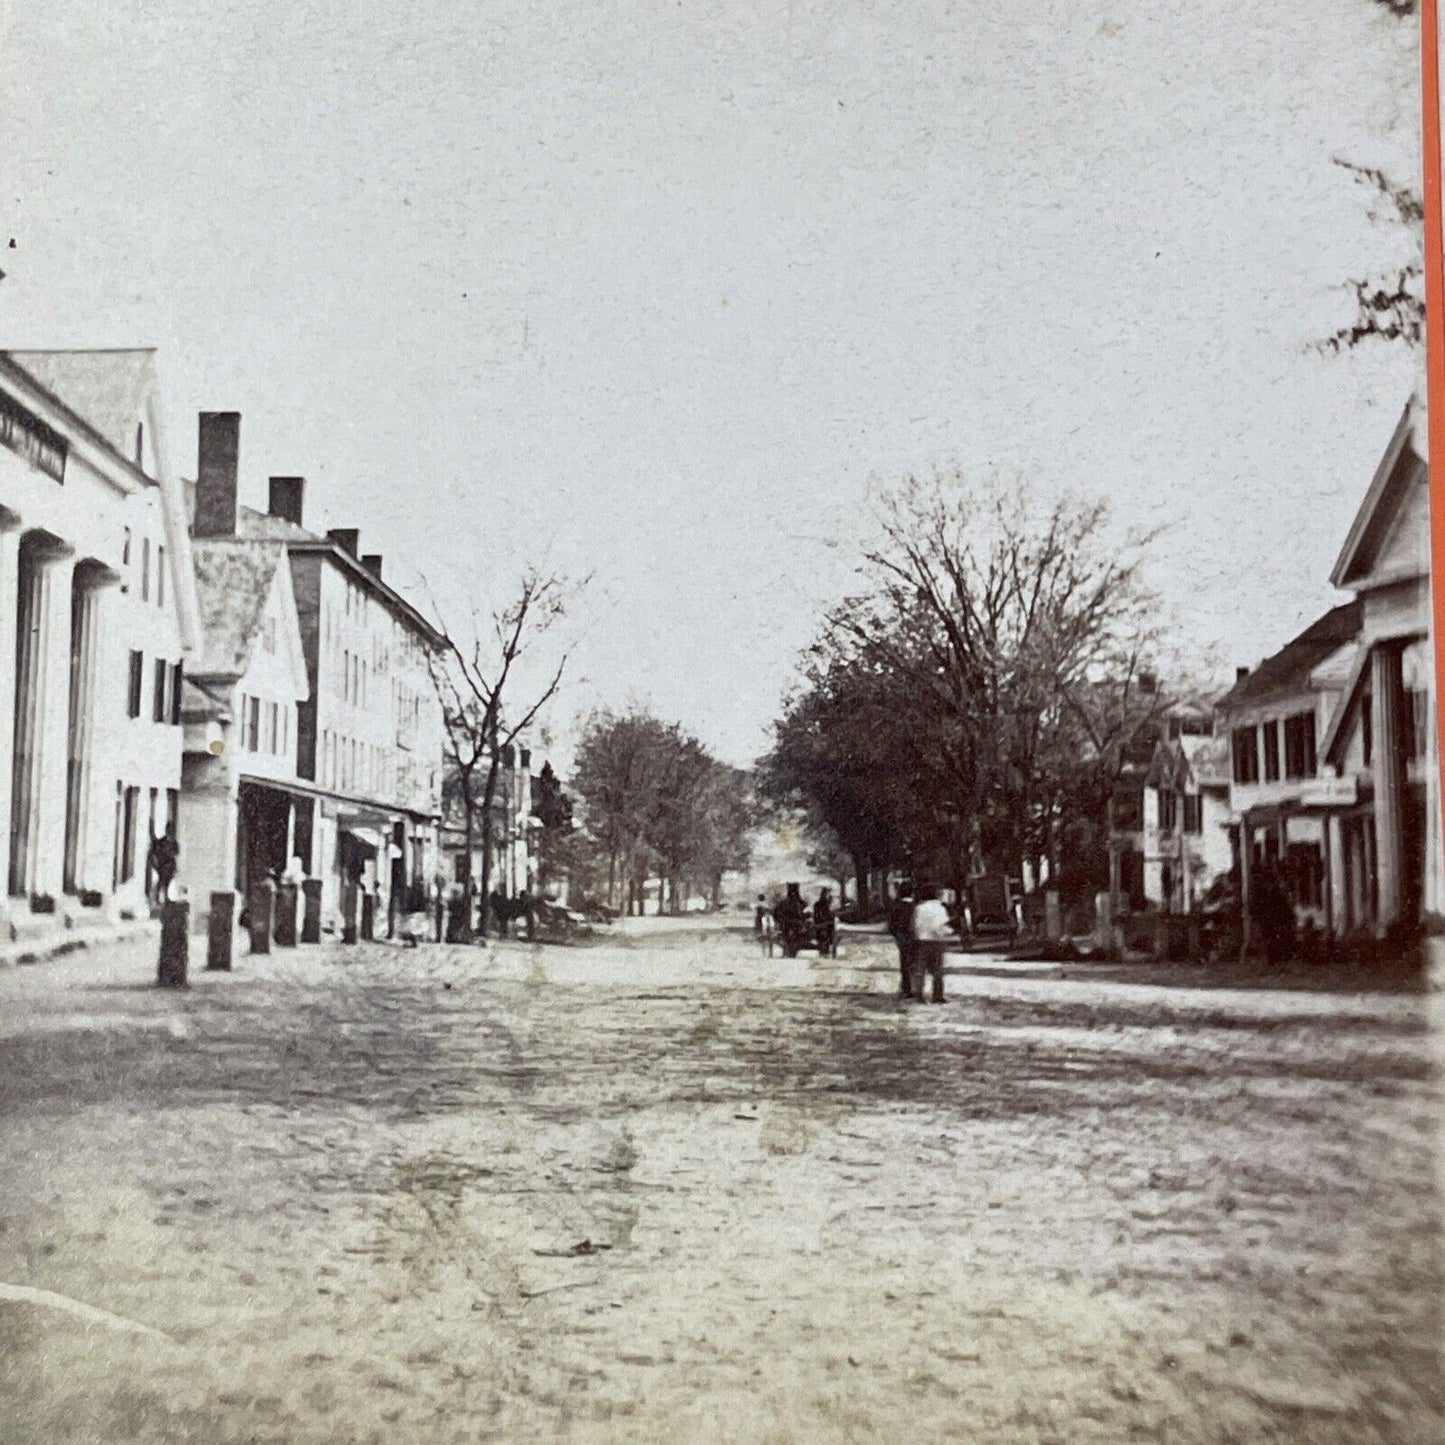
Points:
x=81 y=437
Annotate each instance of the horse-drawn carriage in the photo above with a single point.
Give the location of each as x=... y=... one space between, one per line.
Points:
x=795 y=934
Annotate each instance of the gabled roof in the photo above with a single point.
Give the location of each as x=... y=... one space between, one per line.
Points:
x=256 y=525
x=234 y=578
x=1288 y=671
x=108 y=389
x=1401 y=463
x=1208 y=760
x=1200 y=761
x=251 y=523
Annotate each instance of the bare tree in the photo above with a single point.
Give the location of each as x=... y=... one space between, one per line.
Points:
x=474 y=677
x=993 y=624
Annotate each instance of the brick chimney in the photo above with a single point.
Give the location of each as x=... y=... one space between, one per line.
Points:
x=347 y=538
x=1240 y=673
x=218 y=451
x=285 y=498
x=372 y=562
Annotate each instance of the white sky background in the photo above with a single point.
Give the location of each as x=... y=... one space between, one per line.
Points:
x=652 y=290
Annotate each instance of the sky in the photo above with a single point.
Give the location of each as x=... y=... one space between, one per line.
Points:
x=658 y=294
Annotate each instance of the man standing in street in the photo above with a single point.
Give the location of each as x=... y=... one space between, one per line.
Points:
x=900 y=925
x=931 y=930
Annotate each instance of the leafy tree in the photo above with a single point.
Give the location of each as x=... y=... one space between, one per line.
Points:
x=654 y=798
x=553 y=808
x=986 y=676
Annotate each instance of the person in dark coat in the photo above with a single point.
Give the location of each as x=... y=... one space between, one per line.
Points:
x=791 y=909
x=164 y=853
x=825 y=926
x=900 y=925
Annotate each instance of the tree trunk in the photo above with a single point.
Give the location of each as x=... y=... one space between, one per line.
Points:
x=488 y=795
x=469 y=835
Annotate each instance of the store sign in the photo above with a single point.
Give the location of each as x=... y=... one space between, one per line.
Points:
x=1331 y=792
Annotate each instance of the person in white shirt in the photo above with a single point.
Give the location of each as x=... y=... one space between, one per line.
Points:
x=931 y=930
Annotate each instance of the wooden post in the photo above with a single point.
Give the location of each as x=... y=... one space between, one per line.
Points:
x=1246 y=861
x=1434 y=317
x=175 y=943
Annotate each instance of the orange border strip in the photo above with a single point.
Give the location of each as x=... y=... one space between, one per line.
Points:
x=1434 y=331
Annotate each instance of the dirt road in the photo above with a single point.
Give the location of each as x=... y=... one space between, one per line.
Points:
x=667 y=1190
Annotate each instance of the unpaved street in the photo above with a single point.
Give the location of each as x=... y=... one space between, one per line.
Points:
x=665 y=1189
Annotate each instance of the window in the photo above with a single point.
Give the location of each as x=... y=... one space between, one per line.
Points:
x=173 y=811
x=137 y=682
x=177 y=681
x=1244 y=745
x=1417 y=739
x=273 y=729
x=125 y=563
x=1367 y=728
x=160 y=709
x=1271 y=751
x=160 y=576
x=119 y=835
x=1299 y=746
x=1168 y=813
x=251 y=724
x=145 y=569
x=1193 y=814
x=130 y=806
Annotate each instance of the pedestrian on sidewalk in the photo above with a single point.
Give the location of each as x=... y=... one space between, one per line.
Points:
x=900 y=925
x=931 y=931
x=161 y=860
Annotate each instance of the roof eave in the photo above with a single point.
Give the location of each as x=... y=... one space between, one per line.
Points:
x=323 y=546
x=87 y=433
x=1344 y=570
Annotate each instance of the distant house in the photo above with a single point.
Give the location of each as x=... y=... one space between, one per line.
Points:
x=514 y=831
x=1186 y=821
x=340 y=763
x=240 y=710
x=1274 y=718
x=1380 y=750
x=1335 y=778
x=1131 y=842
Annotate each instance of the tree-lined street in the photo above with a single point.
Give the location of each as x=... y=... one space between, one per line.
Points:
x=662 y=1188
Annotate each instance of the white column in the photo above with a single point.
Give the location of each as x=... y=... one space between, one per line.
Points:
x=206 y=828
x=1389 y=772
x=9 y=593
x=103 y=693
x=52 y=725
